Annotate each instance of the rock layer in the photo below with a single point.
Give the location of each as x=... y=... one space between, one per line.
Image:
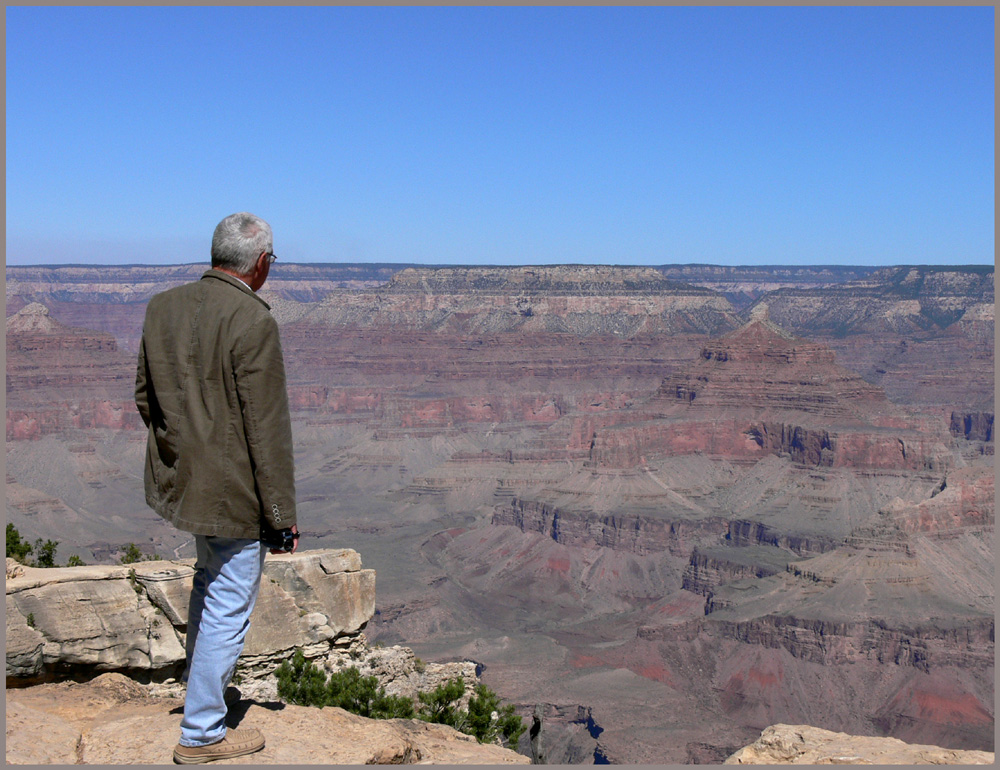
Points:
x=134 y=619
x=759 y=390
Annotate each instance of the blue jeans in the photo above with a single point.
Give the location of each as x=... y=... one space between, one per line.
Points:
x=226 y=581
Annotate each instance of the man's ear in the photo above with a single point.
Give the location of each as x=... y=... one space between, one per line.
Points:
x=260 y=270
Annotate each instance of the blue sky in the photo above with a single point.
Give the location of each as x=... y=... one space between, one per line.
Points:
x=737 y=135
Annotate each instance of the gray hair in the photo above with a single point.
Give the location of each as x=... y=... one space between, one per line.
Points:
x=238 y=242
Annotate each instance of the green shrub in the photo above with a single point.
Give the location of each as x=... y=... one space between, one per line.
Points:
x=75 y=561
x=16 y=548
x=486 y=727
x=46 y=552
x=363 y=695
x=441 y=705
x=303 y=683
x=133 y=554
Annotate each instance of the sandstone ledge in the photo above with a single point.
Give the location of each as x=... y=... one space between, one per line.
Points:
x=805 y=745
x=133 y=619
x=112 y=720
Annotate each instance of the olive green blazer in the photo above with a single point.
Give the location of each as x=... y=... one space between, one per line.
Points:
x=210 y=386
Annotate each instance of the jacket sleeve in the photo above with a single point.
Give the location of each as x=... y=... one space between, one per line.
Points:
x=259 y=370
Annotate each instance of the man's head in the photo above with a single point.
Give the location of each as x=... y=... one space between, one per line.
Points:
x=241 y=245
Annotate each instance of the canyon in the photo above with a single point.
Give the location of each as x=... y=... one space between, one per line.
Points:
x=670 y=506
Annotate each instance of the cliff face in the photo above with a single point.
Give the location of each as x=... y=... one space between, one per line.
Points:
x=61 y=378
x=759 y=390
x=707 y=569
x=133 y=619
x=974 y=426
x=749 y=440
x=899 y=299
x=631 y=534
x=908 y=329
x=835 y=643
x=965 y=500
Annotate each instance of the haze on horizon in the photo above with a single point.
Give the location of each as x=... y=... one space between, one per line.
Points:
x=503 y=136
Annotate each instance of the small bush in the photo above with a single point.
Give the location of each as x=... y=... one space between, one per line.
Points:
x=133 y=554
x=303 y=683
x=16 y=548
x=441 y=705
x=46 y=552
x=488 y=720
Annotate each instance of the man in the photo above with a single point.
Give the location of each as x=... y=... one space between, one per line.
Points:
x=210 y=387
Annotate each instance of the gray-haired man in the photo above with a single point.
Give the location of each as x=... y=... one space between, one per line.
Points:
x=210 y=386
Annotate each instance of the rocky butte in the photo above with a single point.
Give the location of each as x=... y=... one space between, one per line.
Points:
x=669 y=507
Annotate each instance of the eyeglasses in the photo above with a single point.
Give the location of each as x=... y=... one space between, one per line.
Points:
x=271 y=257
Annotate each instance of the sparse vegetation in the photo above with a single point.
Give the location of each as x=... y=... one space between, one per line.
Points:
x=17 y=548
x=303 y=683
x=134 y=554
x=30 y=620
x=441 y=705
x=45 y=553
x=489 y=720
x=486 y=719
x=133 y=581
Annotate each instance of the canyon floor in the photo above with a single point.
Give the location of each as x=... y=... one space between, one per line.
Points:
x=671 y=506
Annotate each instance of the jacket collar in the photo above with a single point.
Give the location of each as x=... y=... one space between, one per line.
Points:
x=218 y=274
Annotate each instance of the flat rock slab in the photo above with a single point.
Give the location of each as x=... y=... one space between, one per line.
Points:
x=111 y=720
x=806 y=745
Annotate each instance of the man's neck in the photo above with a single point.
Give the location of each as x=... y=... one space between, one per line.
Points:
x=244 y=279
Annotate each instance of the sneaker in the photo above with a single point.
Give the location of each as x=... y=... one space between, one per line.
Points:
x=236 y=743
x=231 y=697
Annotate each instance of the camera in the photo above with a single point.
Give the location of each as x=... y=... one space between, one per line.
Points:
x=278 y=539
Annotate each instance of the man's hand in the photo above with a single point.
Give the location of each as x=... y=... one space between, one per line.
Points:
x=295 y=542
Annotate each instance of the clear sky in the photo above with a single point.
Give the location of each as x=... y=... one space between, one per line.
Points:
x=736 y=135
